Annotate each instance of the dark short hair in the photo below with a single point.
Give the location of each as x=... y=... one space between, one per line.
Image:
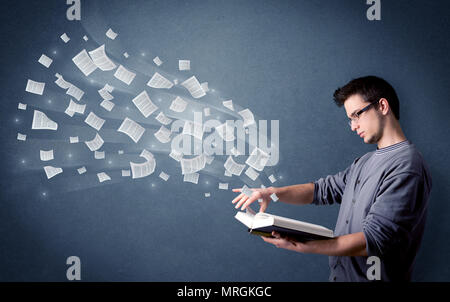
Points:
x=371 y=89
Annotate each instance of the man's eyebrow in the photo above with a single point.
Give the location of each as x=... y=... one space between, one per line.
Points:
x=353 y=113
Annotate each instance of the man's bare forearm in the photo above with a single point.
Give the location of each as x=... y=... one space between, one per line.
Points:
x=296 y=194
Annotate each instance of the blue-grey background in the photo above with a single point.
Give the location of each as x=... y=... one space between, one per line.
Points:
x=282 y=59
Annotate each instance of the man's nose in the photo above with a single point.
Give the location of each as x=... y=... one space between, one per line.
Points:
x=354 y=126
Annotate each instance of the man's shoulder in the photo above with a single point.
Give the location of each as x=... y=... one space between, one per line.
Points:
x=408 y=160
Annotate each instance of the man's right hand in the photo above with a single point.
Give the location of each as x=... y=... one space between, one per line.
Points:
x=260 y=193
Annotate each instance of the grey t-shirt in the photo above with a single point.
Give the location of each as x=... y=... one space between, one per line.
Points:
x=383 y=194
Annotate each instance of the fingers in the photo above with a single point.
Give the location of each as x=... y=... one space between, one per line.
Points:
x=237 y=190
x=241 y=202
x=248 y=202
x=238 y=198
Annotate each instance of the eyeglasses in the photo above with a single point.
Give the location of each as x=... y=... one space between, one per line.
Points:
x=355 y=116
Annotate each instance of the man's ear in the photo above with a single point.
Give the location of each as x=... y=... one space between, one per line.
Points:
x=384 y=106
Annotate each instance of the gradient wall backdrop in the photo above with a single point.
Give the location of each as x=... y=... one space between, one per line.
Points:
x=281 y=59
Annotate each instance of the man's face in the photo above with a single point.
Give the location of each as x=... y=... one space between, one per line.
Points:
x=369 y=125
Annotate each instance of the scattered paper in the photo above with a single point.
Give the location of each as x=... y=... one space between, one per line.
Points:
x=73 y=139
x=257 y=159
x=21 y=137
x=75 y=108
x=99 y=154
x=46 y=155
x=142 y=170
x=44 y=60
x=35 y=87
x=164 y=176
x=193 y=129
x=193 y=164
x=274 y=197
x=163 y=135
x=252 y=174
x=85 y=38
x=226 y=132
x=82 y=170
x=144 y=104
x=147 y=154
x=65 y=37
x=157 y=61
x=207 y=111
x=194 y=87
x=61 y=82
x=84 y=62
x=247 y=191
x=184 y=64
x=22 y=106
x=132 y=129
x=176 y=155
x=124 y=75
x=76 y=92
x=248 y=117
x=228 y=104
x=126 y=173
x=108 y=105
x=111 y=34
x=158 y=81
x=272 y=178
x=232 y=167
x=191 y=177
x=96 y=143
x=100 y=59
x=51 y=171
x=205 y=86
x=42 y=122
x=178 y=105
x=223 y=186
x=94 y=121
x=102 y=176
x=163 y=119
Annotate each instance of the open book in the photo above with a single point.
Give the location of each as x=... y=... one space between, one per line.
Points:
x=263 y=224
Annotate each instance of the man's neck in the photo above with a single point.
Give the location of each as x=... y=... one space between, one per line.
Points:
x=392 y=134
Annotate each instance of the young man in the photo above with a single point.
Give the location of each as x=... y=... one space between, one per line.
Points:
x=383 y=195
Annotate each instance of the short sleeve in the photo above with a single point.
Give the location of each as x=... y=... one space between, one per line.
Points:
x=399 y=206
x=330 y=189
